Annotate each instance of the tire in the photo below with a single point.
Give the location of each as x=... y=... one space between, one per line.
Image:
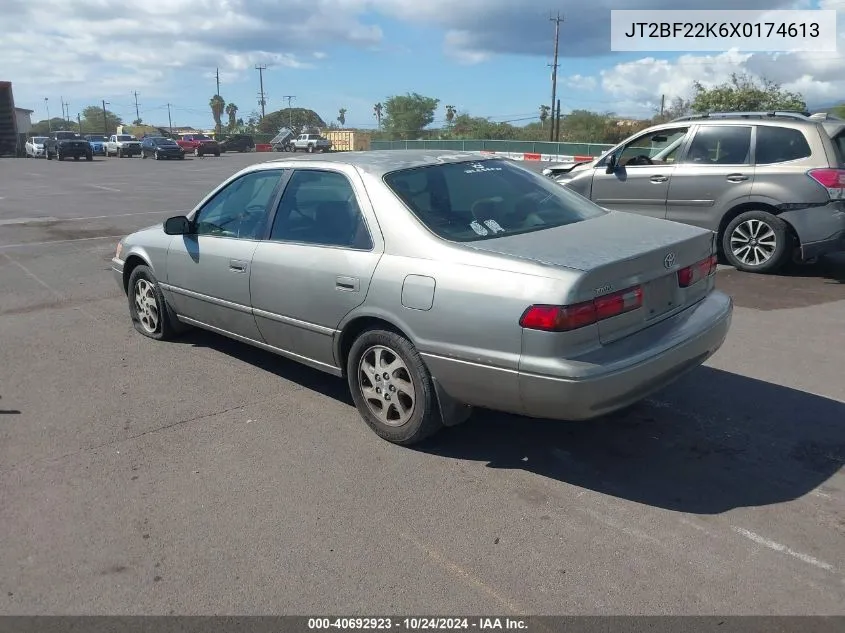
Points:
x=120 y=153
x=217 y=154
x=89 y=157
x=310 y=149
x=423 y=415
x=757 y=235
x=181 y=157
x=157 y=156
x=143 y=154
x=159 y=322
x=76 y=157
x=60 y=156
x=197 y=151
x=48 y=156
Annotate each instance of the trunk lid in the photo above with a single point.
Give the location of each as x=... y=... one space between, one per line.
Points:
x=615 y=252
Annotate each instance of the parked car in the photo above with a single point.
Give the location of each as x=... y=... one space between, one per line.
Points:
x=771 y=185
x=435 y=282
x=34 y=147
x=98 y=143
x=121 y=145
x=64 y=144
x=311 y=143
x=238 y=143
x=199 y=144
x=159 y=148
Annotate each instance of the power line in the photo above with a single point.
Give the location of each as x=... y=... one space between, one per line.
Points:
x=262 y=98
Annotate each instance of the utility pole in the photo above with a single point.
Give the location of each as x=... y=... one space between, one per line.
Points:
x=64 y=113
x=105 y=120
x=47 y=105
x=137 y=113
x=262 y=98
x=79 y=122
x=169 y=121
x=557 y=20
x=557 y=125
x=290 y=112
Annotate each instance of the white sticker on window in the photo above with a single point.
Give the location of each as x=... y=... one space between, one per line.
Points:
x=494 y=226
x=478 y=168
x=475 y=226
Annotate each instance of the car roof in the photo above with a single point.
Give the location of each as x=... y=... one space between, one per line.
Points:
x=381 y=162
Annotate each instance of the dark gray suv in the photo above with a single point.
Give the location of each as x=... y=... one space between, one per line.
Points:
x=772 y=185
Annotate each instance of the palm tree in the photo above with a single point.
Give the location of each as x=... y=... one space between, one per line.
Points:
x=232 y=113
x=217 y=105
x=377 y=111
x=450 y=114
x=544 y=114
x=341 y=117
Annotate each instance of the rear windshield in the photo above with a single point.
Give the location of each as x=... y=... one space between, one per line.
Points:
x=124 y=137
x=470 y=201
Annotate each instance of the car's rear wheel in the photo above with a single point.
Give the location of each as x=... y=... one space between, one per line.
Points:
x=757 y=241
x=392 y=388
x=148 y=308
x=89 y=157
x=196 y=151
x=157 y=156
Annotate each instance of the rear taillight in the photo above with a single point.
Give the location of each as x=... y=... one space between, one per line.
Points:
x=831 y=179
x=565 y=318
x=698 y=271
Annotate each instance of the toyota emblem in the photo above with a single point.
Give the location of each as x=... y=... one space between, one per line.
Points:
x=669 y=260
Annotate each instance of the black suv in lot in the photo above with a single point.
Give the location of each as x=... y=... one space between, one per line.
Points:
x=63 y=145
x=237 y=143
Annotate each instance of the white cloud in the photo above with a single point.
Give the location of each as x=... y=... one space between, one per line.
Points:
x=580 y=82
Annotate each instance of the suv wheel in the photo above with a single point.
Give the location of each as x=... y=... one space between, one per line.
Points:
x=757 y=241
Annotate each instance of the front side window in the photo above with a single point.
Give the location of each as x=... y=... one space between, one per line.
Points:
x=780 y=144
x=470 y=201
x=320 y=207
x=652 y=148
x=720 y=145
x=240 y=209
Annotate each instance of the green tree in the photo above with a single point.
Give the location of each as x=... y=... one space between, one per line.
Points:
x=837 y=111
x=218 y=106
x=378 y=112
x=584 y=126
x=544 y=114
x=407 y=115
x=451 y=112
x=341 y=117
x=297 y=119
x=743 y=93
x=42 y=128
x=93 y=123
x=232 y=113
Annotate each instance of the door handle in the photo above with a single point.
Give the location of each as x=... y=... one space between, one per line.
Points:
x=736 y=177
x=659 y=178
x=237 y=266
x=349 y=284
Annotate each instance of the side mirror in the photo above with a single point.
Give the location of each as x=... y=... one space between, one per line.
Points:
x=178 y=225
x=611 y=164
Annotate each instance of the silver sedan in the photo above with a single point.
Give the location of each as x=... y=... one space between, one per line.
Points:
x=435 y=282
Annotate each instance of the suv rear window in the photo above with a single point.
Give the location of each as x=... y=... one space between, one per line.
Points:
x=780 y=144
x=470 y=201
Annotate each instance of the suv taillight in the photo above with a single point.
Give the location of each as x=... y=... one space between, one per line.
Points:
x=551 y=318
x=698 y=271
x=831 y=179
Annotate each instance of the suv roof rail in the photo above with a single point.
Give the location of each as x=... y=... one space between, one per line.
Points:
x=786 y=114
x=825 y=116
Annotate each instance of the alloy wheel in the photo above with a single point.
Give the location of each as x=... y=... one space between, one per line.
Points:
x=386 y=385
x=147 y=306
x=753 y=242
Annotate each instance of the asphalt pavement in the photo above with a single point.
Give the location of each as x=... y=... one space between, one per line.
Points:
x=206 y=477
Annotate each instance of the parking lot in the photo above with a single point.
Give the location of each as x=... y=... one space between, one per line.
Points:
x=204 y=476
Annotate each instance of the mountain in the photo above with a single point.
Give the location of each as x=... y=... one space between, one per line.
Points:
x=822 y=107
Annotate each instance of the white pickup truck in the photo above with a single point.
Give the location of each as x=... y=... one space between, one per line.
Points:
x=311 y=143
x=121 y=145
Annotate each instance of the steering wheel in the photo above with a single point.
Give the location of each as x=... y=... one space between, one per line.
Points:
x=640 y=159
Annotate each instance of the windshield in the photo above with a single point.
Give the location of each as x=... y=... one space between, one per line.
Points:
x=201 y=137
x=470 y=201
x=96 y=139
x=124 y=137
x=66 y=135
x=163 y=141
x=39 y=140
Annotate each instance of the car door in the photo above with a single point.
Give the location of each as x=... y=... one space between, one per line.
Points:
x=317 y=264
x=639 y=182
x=715 y=174
x=208 y=270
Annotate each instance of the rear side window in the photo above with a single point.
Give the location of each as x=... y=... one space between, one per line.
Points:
x=470 y=201
x=780 y=144
x=720 y=145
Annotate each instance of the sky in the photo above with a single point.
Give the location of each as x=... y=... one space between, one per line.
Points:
x=487 y=58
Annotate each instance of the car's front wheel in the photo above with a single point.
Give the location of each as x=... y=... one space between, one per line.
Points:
x=392 y=388
x=757 y=241
x=148 y=308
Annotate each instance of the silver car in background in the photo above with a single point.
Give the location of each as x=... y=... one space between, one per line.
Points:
x=34 y=147
x=771 y=185
x=435 y=282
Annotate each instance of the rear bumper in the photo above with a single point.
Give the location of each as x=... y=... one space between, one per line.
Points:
x=820 y=230
x=625 y=372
